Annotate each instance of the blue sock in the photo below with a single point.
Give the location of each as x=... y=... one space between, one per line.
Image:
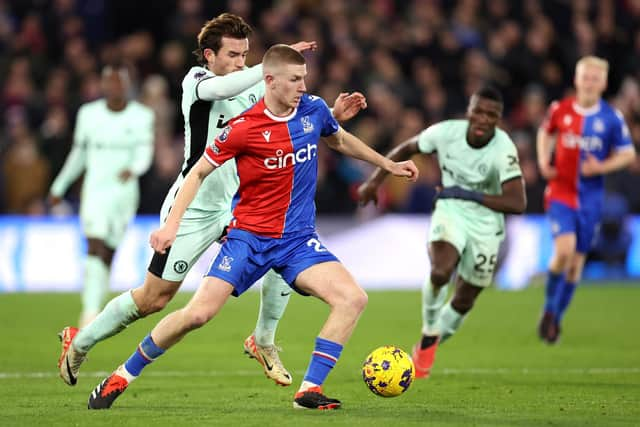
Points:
x=325 y=355
x=554 y=280
x=564 y=299
x=146 y=353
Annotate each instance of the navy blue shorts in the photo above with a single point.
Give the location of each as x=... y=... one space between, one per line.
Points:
x=245 y=257
x=584 y=223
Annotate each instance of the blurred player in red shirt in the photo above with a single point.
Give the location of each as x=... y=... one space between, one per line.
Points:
x=591 y=140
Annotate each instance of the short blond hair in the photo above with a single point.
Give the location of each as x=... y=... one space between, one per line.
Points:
x=282 y=54
x=594 y=61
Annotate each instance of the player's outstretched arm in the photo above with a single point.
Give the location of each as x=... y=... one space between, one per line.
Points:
x=73 y=167
x=619 y=159
x=350 y=145
x=368 y=190
x=216 y=88
x=303 y=46
x=75 y=163
x=347 y=105
x=513 y=199
x=163 y=237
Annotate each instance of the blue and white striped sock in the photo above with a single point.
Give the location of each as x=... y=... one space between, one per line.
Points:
x=146 y=353
x=324 y=357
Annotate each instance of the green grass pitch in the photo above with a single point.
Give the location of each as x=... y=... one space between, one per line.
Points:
x=495 y=372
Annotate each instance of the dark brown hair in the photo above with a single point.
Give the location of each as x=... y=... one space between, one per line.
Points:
x=224 y=25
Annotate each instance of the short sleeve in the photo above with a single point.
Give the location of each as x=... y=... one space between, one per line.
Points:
x=428 y=138
x=228 y=143
x=329 y=123
x=507 y=161
x=550 y=122
x=620 y=133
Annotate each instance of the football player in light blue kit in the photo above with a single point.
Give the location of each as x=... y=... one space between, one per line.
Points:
x=212 y=95
x=113 y=145
x=482 y=181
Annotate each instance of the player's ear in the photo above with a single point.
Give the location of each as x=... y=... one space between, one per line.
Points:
x=269 y=79
x=208 y=54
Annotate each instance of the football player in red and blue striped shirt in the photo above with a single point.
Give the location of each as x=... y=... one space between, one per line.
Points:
x=591 y=140
x=275 y=145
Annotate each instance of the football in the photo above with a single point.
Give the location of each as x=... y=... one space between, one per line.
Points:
x=388 y=371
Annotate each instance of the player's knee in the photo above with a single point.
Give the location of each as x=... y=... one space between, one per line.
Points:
x=196 y=318
x=359 y=300
x=98 y=248
x=562 y=259
x=564 y=253
x=148 y=301
x=157 y=304
x=574 y=274
x=353 y=302
x=565 y=256
x=153 y=295
x=440 y=276
x=462 y=303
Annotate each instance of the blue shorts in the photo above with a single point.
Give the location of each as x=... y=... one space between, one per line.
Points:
x=584 y=223
x=245 y=257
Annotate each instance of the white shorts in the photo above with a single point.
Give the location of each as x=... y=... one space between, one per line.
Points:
x=108 y=225
x=477 y=246
x=195 y=234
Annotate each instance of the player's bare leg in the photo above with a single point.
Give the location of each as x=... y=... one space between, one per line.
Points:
x=96 y=286
x=564 y=250
x=203 y=306
x=96 y=282
x=449 y=321
x=333 y=284
x=444 y=258
x=121 y=311
x=564 y=295
x=154 y=294
x=462 y=302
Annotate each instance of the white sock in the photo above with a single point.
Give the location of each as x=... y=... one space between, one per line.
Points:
x=306 y=385
x=117 y=315
x=96 y=285
x=122 y=371
x=432 y=302
x=448 y=322
x=274 y=297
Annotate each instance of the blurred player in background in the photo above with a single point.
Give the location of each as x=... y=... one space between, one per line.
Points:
x=113 y=145
x=591 y=140
x=273 y=226
x=482 y=181
x=211 y=95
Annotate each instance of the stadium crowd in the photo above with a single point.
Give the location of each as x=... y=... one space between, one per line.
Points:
x=416 y=61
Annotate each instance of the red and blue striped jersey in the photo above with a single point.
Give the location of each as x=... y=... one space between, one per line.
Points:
x=277 y=160
x=598 y=130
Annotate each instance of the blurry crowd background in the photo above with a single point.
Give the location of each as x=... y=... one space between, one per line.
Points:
x=417 y=61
